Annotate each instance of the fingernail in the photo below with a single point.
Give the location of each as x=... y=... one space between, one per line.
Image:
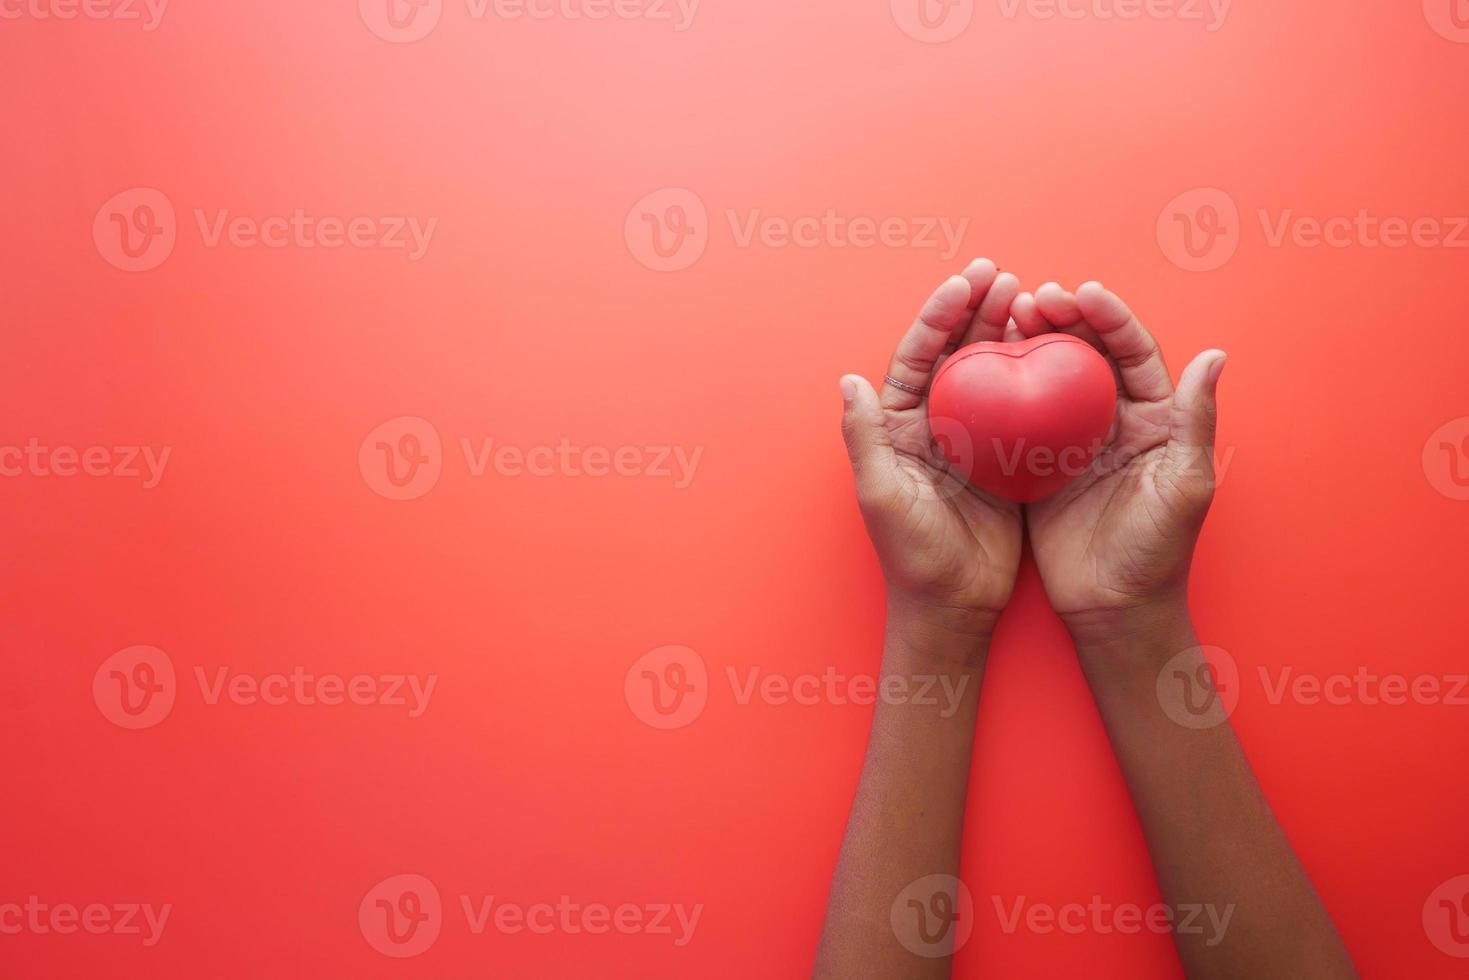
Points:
x=849 y=389
x=1217 y=368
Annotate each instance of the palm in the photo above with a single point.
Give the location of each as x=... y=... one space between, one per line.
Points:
x=1099 y=542
x=1122 y=532
x=938 y=539
x=957 y=535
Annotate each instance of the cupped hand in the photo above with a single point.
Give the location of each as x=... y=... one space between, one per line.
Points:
x=1119 y=538
x=943 y=546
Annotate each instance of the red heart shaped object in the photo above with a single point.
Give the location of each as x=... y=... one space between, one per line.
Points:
x=1023 y=420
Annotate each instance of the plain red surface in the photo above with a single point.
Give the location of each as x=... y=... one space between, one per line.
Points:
x=1023 y=419
x=1336 y=542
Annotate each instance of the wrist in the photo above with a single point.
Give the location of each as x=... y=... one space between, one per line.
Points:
x=1132 y=635
x=930 y=635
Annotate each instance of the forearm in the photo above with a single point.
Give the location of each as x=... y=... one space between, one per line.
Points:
x=908 y=815
x=1219 y=854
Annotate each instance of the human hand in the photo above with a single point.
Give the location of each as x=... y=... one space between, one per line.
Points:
x=1115 y=545
x=946 y=549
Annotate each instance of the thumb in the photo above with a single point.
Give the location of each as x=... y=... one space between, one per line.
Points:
x=1192 y=423
x=864 y=428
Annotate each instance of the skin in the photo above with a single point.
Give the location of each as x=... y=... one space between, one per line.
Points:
x=949 y=554
x=1113 y=549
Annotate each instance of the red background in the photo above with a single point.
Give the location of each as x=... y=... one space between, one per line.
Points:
x=531 y=319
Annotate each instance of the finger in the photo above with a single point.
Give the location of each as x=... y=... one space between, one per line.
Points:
x=1027 y=316
x=1012 y=333
x=1059 y=308
x=913 y=361
x=981 y=274
x=865 y=432
x=993 y=314
x=1193 y=418
x=1139 y=360
x=1057 y=305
